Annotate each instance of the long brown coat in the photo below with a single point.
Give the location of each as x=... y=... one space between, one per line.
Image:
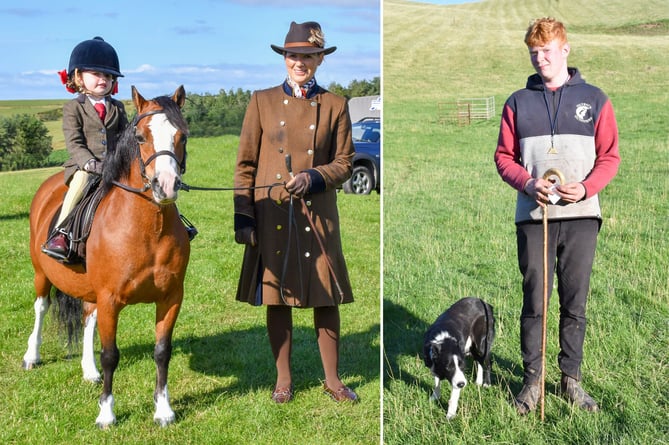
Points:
x=316 y=132
x=86 y=136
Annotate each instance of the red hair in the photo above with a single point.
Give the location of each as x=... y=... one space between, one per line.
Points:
x=544 y=30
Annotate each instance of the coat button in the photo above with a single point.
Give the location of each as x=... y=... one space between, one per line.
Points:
x=310 y=152
x=313 y=103
x=282 y=123
x=278 y=252
x=280 y=149
x=285 y=101
x=279 y=227
x=312 y=127
x=307 y=229
x=278 y=176
x=308 y=203
x=307 y=254
x=278 y=202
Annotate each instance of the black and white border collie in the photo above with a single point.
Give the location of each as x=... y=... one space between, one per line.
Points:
x=467 y=328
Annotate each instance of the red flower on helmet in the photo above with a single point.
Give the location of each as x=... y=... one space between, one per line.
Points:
x=63 y=78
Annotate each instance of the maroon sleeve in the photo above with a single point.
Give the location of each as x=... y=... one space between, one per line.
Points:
x=507 y=155
x=606 y=148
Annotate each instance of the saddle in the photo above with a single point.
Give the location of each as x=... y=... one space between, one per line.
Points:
x=77 y=225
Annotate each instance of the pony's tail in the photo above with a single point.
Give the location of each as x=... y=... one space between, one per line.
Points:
x=69 y=312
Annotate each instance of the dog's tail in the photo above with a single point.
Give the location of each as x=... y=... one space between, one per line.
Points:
x=490 y=327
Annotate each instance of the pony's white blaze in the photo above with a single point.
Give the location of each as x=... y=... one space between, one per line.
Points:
x=166 y=168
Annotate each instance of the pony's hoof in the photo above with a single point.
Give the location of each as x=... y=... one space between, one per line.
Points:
x=164 y=421
x=30 y=365
x=93 y=378
x=103 y=425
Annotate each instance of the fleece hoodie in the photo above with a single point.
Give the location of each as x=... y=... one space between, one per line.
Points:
x=583 y=144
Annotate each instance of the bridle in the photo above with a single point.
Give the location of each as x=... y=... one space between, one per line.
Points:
x=151 y=158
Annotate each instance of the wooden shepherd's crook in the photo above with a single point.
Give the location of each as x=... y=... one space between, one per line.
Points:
x=556 y=177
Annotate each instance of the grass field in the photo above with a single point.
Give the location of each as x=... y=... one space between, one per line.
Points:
x=448 y=220
x=221 y=373
x=41 y=107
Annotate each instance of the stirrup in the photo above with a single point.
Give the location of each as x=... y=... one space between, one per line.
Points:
x=190 y=228
x=62 y=257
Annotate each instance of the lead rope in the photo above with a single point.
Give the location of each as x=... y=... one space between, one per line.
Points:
x=306 y=213
x=291 y=222
x=322 y=246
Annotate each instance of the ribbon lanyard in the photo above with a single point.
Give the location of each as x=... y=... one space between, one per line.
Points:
x=553 y=121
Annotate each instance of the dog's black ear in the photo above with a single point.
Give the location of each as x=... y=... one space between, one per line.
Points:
x=432 y=353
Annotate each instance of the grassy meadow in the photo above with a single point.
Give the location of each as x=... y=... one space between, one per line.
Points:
x=222 y=371
x=448 y=227
x=12 y=107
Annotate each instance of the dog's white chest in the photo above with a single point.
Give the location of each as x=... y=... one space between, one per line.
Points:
x=468 y=345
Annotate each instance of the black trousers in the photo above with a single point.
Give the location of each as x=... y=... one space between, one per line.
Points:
x=571 y=252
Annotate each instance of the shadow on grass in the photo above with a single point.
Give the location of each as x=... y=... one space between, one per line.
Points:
x=243 y=361
x=403 y=334
x=22 y=216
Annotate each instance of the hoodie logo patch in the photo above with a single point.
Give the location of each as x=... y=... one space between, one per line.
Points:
x=583 y=113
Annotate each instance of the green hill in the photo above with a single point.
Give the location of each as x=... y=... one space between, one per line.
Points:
x=448 y=219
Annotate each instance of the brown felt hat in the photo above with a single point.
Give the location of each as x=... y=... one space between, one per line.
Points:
x=304 y=38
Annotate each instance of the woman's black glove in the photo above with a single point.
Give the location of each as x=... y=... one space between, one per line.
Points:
x=246 y=235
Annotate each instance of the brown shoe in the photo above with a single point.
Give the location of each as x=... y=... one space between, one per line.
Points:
x=343 y=394
x=571 y=389
x=57 y=247
x=282 y=395
x=527 y=398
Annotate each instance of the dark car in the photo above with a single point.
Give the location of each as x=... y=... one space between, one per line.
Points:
x=366 y=174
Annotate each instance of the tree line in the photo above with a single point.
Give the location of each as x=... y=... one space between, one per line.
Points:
x=25 y=141
x=223 y=113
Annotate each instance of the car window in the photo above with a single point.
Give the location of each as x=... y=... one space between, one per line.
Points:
x=358 y=131
x=363 y=132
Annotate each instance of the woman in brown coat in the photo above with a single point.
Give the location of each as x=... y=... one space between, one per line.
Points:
x=296 y=136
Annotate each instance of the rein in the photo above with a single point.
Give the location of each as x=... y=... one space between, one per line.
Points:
x=187 y=188
x=291 y=212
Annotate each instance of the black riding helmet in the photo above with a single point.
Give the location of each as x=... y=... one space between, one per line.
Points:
x=94 y=55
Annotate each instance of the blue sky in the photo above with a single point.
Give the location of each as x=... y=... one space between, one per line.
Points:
x=206 y=45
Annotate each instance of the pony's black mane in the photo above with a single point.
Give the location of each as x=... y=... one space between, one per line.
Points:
x=121 y=155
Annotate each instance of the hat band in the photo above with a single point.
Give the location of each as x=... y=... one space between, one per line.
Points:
x=300 y=44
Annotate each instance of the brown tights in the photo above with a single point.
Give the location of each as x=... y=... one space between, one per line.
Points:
x=280 y=330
